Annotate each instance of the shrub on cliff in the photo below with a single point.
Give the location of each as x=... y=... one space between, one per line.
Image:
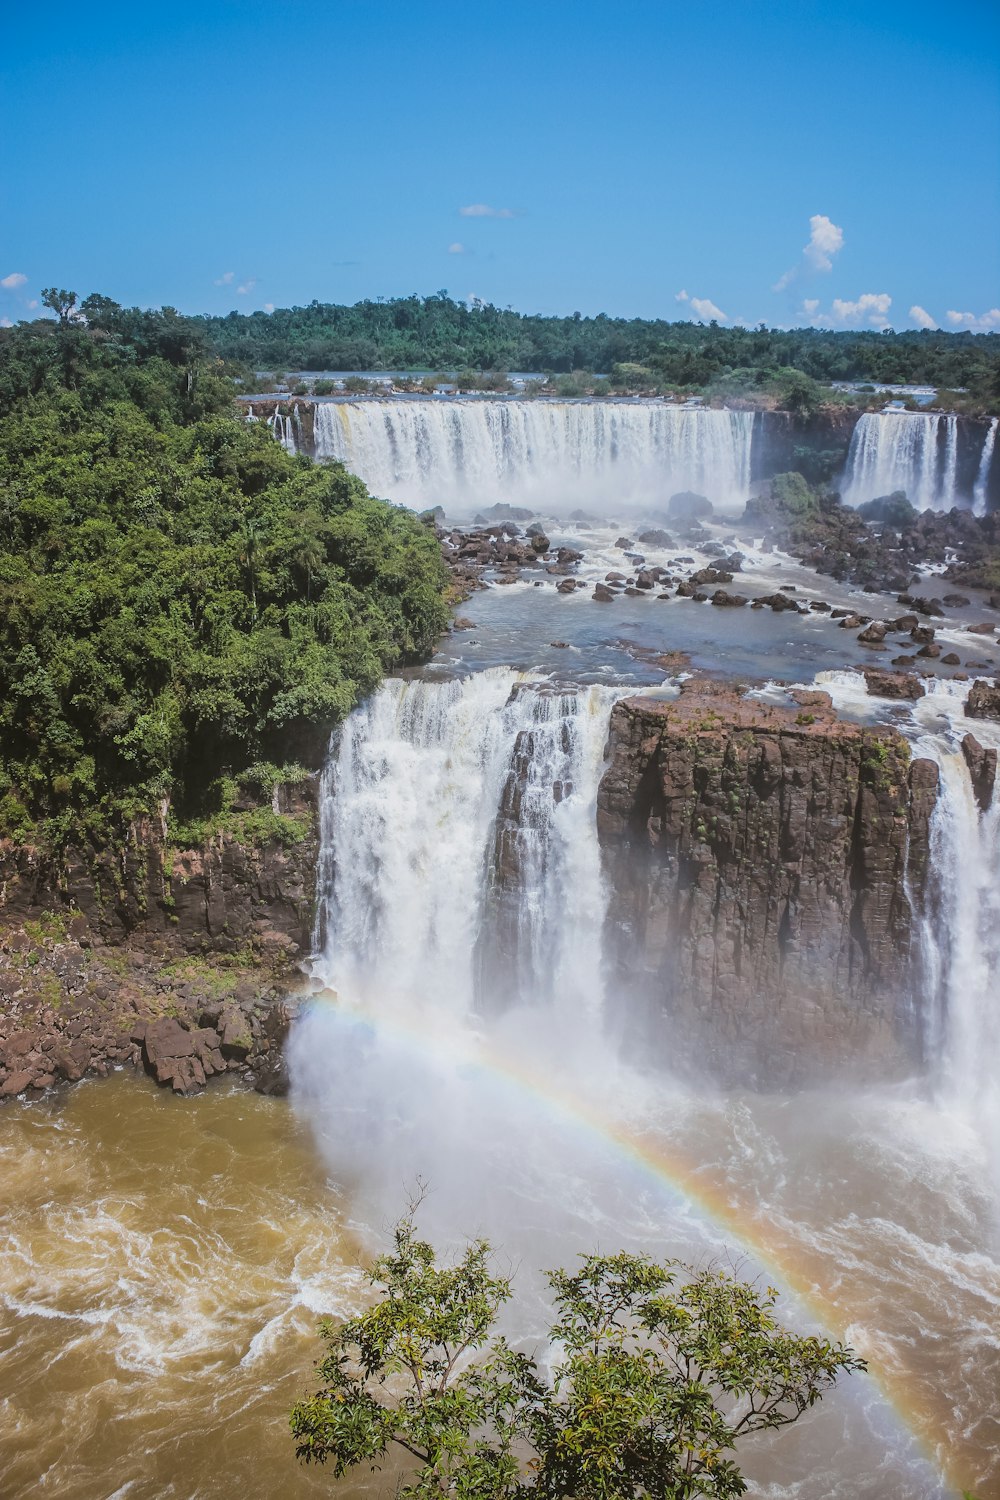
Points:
x=661 y=1372
x=179 y=597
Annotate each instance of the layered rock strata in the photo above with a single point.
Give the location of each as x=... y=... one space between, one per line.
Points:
x=766 y=867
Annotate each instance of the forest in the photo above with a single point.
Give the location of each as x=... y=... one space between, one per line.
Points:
x=439 y=333
x=182 y=603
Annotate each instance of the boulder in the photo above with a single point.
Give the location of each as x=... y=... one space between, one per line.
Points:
x=882 y=684
x=873 y=634
x=687 y=506
x=922 y=634
x=16 y=1083
x=602 y=594
x=985 y=628
x=724 y=599
x=983 y=701
x=655 y=538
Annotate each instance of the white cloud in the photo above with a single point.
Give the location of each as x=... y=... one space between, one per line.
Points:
x=484 y=211
x=32 y=304
x=825 y=239
x=922 y=317
x=810 y=306
x=702 y=307
x=981 y=323
x=457 y=248
x=269 y=307
x=6 y=323
x=247 y=287
x=707 y=310
x=871 y=307
x=226 y=279
x=14 y=280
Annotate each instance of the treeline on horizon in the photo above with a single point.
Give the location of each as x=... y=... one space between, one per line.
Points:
x=438 y=333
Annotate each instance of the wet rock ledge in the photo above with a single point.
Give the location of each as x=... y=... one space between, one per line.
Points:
x=767 y=868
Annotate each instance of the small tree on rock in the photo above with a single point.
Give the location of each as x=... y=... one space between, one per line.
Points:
x=663 y=1371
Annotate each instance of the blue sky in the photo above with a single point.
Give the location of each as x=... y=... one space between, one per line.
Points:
x=790 y=162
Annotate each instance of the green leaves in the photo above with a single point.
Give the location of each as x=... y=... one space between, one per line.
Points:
x=191 y=597
x=660 y=1373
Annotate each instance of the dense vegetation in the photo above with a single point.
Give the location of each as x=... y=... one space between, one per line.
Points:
x=181 y=601
x=438 y=333
x=661 y=1373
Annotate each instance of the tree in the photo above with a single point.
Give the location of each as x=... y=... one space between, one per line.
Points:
x=61 y=302
x=663 y=1371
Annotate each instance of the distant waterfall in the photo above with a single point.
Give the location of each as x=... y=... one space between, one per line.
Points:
x=470 y=453
x=918 y=453
x=287 y=429
x=460 y=866
x=902 y=451
x=983 y=472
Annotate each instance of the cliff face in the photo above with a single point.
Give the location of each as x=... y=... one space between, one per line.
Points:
x=175 y=961
x=762 y=863
x=225 y=897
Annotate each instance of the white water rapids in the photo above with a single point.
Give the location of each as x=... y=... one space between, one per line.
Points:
x=458 y=822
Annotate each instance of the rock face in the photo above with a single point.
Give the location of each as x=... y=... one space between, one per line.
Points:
x=176 y=961
x=223 y=897
x=759 y=860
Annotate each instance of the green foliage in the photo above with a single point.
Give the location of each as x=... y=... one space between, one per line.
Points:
x=662 y=1372
x=179 y=597
x=891 y=510
x=439 y=333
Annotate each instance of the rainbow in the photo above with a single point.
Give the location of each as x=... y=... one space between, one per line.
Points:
x=667 y=1167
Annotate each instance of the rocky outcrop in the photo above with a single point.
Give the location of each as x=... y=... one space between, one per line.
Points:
x=229 y=895
x=983 y=701
x=982 y=764
x=177 y=961
x=762 y=862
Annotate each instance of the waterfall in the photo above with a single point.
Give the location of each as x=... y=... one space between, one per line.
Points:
x=426 y=451
x=287 y=430
x=983 y=472
x=460 y=869
x=961 y=935
x=903 y=451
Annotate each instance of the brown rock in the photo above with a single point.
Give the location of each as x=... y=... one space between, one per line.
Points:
x=983 y=701
x=16 y=1083
x=762 y=862
x=982 y=764
x=893 y=684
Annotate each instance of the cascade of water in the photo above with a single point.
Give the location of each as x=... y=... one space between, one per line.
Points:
x=949 y=468
x=960 y=929
x=476 y=451
x=457 y=826
x=284 y=430
x=961 y=940
x=983 y=472
x=900 y=451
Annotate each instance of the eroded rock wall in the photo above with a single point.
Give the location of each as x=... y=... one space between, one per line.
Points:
x=765 y=866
